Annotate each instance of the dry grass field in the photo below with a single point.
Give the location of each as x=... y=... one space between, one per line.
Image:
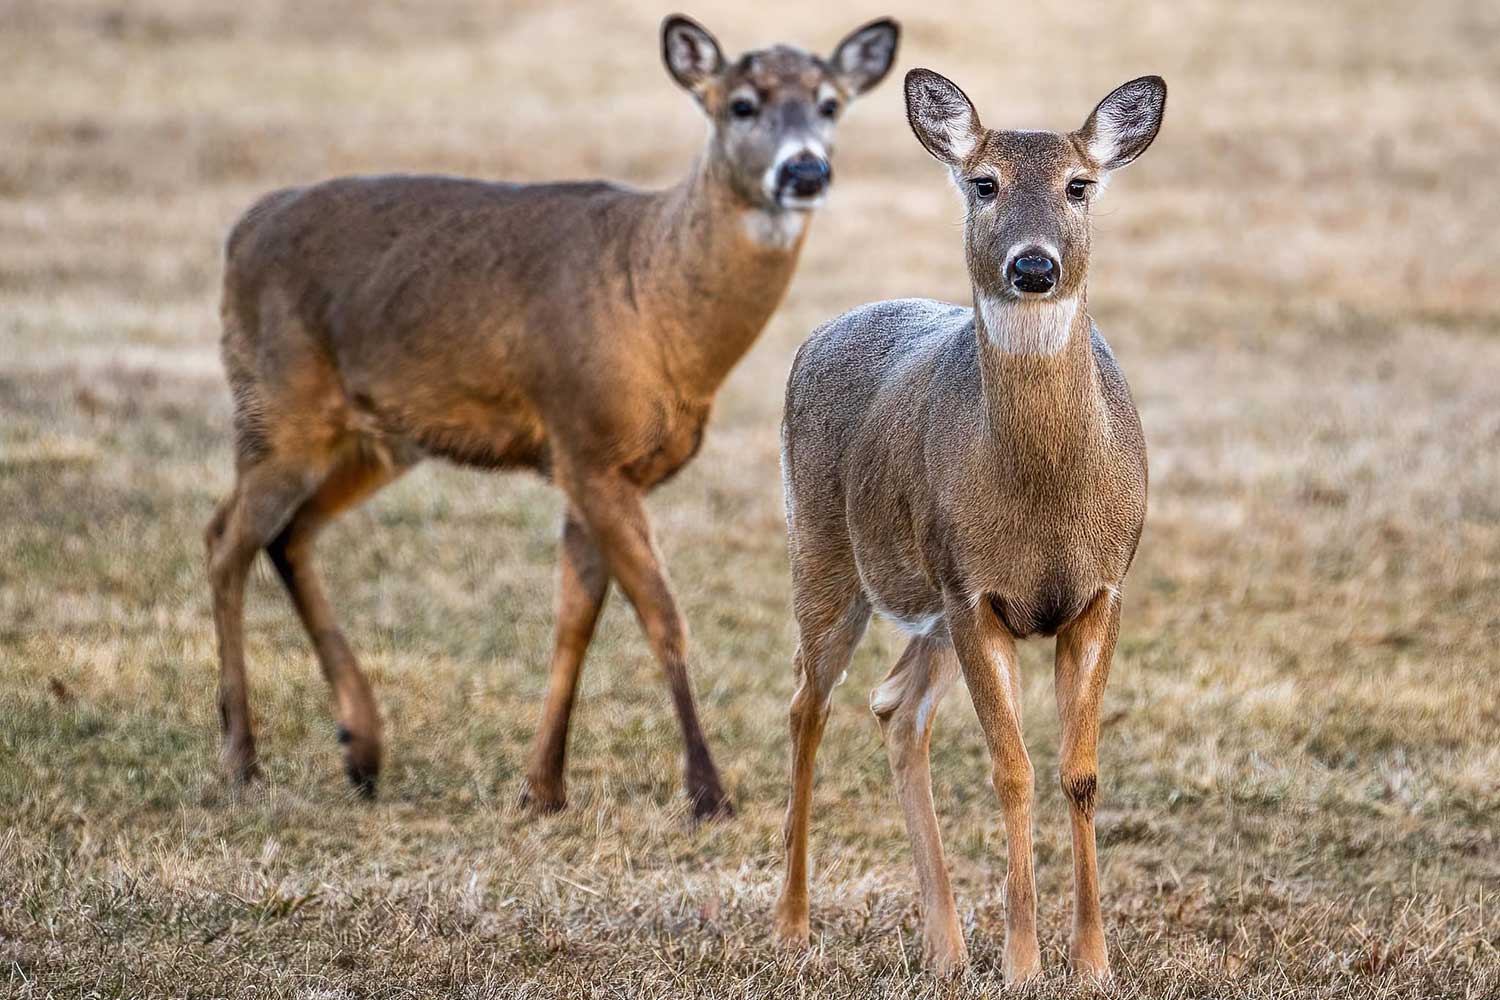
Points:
x=1300 y=790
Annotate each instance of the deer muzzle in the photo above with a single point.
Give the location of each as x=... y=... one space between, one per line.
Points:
x=802 y=180
x=1033 y=271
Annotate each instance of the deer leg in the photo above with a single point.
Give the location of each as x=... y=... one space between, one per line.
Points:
x=616 y=517
x=1084 y=651
x=583 y=583
x=988 y=656
x=827 y=644
x=906 y=705
x=359 y=726
x=264 y=498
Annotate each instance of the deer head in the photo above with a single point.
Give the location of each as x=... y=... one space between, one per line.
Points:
x=1028 y=194
x=773 y=111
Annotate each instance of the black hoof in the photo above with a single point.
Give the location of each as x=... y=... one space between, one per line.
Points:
x=361 y=763
x=246 y=775
x=241 y=764
x=712 y=805
x=364 y=781
x=543 y=801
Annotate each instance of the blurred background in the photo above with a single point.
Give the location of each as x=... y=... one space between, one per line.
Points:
x=1298 y=770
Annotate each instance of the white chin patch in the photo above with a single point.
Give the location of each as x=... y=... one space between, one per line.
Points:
x=777 y=230
x=1034 y=324
x=794 y=203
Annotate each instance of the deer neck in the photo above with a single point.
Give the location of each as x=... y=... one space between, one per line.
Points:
x=718 y=268
x=1045 y=407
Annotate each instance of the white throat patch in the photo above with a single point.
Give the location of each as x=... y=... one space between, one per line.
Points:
x=1028 y=326
x=774 y=230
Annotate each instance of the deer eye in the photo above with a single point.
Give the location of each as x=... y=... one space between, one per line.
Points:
x=1078 y=188
x=984 y=187
x=743 y=107
x=829 y=108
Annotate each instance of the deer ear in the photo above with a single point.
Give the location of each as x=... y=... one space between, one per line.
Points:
x=692 y=54
x=866 y=55
x=942 y=116
x=1125 y=122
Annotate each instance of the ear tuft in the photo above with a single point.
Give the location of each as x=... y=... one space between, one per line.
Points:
x=691 y=53
x=942 y=116
x=866 y=55
x=1125 y=122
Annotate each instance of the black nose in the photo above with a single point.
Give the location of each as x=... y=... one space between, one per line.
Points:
x=1032 y=270
x=804 y=175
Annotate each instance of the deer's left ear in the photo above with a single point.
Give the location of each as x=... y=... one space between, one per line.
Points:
x=864 y=58
x=1125 y=122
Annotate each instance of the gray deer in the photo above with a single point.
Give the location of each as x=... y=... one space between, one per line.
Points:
x=978 y=476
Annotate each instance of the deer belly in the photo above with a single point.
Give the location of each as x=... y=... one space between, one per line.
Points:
x=900 y=593
x=498 y=431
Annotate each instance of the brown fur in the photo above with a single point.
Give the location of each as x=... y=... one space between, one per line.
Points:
x=579 y=330
x=980 y=486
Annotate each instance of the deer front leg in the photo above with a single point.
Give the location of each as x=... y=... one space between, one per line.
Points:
x=582 y=584
x=987 y=654
x=906 y=705
x=1084 y=651
x=616 y=518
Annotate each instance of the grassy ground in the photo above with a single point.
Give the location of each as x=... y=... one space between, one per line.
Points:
x=1300 y=762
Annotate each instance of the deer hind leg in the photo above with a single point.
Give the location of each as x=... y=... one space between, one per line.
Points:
x=991 y=669
x=830 y=630
x=616 y=517
x=906 y=704
x=1084 y=651
x=265 y=496
x=582 y=584
x=356 y=476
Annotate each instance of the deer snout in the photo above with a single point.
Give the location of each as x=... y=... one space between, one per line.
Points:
x=1032 y=270
x=802 y=179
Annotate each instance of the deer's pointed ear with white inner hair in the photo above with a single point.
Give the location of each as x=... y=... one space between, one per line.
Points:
x=1125 y=122
x=863 y=58
x=691 y=53
x=942 y=116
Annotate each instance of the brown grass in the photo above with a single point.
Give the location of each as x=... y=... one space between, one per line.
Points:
x=1300 y=761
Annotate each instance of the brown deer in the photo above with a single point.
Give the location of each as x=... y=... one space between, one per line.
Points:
x=979 y=476
x=579 y=330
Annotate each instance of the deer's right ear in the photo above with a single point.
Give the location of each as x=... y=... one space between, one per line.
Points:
x=864 y=57
x=692 y=54
x=942 y=116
